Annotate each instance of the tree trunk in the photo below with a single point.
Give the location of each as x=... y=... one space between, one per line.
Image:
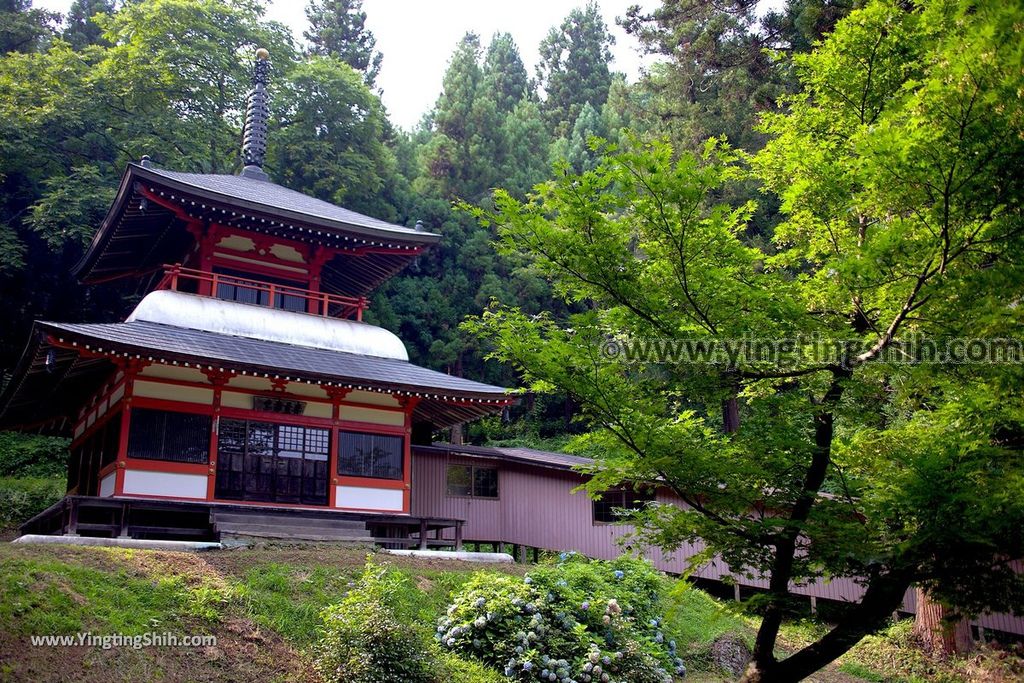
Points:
x=456 y=437
x=731 y=415
x=884 y=594
x=936 y=633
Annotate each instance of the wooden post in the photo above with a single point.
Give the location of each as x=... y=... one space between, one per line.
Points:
x=423 y=534
x=458 y=536
x=73 y=518
x=122 y=524
x=736 y=591
x=814 y=605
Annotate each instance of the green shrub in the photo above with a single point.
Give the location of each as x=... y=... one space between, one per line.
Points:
x=364 y=639
x=21 y=499
x=571 y=621
x=454 y=669
x=30 y=455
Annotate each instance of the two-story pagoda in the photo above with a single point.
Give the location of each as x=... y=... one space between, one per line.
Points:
x=246 y=376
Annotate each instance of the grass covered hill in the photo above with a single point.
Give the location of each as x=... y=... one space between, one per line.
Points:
x=265 y=607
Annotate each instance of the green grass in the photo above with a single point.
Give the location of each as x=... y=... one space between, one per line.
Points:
x=892 y=656
x=289 y=599
x=862 y=672
x=57 y=597
x=698 y=619
x=280 y=594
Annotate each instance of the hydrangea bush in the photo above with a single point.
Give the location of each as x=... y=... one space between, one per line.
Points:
x=572 y=621
x=365 y=640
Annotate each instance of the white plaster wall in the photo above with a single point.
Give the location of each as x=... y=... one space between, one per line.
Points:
x=144 y=482
x=107 y=485
x=366 y=498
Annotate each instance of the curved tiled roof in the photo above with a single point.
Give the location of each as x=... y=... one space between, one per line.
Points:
x=272 y=197
x=145 y=227
x=160 y=340
x=54 y=374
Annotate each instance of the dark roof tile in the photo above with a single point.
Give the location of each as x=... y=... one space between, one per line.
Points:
x=272 y=196
x=156 y=339
x=530 y=456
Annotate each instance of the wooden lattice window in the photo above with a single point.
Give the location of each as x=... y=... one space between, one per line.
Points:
x=171 y=436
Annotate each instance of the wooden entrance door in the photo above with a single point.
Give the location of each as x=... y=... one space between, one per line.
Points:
x=268 y=462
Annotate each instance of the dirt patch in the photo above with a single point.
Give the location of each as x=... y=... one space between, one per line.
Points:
x=85 y=556
x=243 y=653
x=730 y=654
x=193 y=568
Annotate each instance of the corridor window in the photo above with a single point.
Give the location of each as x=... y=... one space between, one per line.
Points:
x=467 y=480
x=610 y=505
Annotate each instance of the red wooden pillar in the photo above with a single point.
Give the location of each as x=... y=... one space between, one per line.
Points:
x=207 y=239
x=218 y=379
x=131 y=369
x=409 y=404
x=319 y=257
x=337 y=395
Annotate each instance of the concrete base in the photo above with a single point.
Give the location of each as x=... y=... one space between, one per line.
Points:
x=464 y=556
x=186 y=546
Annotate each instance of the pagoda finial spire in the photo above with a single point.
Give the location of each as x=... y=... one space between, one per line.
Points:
x=257 y=114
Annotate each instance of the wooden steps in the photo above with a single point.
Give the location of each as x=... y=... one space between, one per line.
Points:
x=289 y=527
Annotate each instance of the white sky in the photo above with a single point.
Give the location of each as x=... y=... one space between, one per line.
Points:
x=417 y=37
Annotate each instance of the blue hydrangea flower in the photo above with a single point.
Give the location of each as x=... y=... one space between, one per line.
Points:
x=618 y=573
x=585 y=606
x=527 y=666
x=527 y=580
x=480 y=602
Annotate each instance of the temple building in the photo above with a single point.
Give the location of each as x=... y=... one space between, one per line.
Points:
x=246 y=397
x=246 y=376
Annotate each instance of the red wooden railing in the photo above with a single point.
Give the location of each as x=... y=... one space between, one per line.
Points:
x=180 y=279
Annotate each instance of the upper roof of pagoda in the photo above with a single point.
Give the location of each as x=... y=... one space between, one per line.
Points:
x=158 y=215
